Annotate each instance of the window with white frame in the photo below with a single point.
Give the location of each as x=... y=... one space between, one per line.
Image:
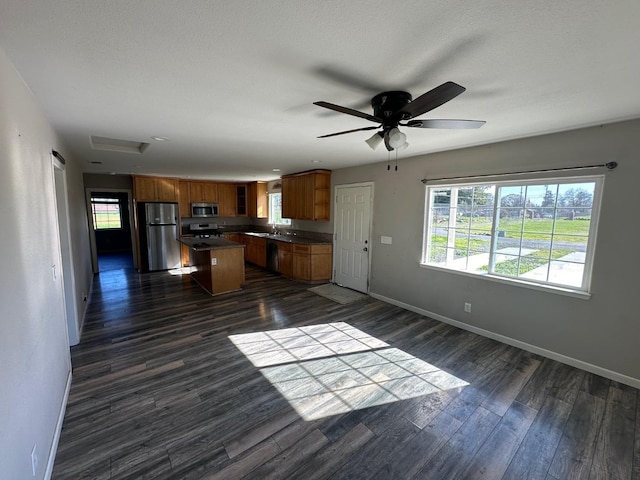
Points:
x=275 y=210
x=539 y=231
x=107 y=214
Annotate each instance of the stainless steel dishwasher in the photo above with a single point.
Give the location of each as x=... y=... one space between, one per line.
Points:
x=272 y=255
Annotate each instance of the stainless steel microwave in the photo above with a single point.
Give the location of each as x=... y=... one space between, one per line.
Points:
x=204 y=210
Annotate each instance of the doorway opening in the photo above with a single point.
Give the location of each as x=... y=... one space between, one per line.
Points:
x=111 y=221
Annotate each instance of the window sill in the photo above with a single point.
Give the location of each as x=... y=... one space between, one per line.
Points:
x=518 y=283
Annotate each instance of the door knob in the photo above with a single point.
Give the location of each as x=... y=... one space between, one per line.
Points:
x=365 y=249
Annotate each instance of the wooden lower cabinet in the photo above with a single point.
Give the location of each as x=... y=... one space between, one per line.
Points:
x=285 y=259
x=255 y=250
x=301 y=262
x=312 y=263
x=234 y=237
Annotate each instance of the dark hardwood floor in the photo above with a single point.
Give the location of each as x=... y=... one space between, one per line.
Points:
x=160 y=390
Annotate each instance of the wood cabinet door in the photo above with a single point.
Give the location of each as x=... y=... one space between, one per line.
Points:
x=184 y=199
x=302 y=266
x=167 y=189
x=241 y=200
x=196 y=191
x=289 y=197
x=210 y=192
x=285 y=261
x=227 y=199
x=144 y=189
x=261 y=252
x=305 y=191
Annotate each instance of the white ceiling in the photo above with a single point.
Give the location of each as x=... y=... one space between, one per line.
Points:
x=231 y=83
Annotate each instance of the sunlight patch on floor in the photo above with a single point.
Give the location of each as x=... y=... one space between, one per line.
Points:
x=335 y=368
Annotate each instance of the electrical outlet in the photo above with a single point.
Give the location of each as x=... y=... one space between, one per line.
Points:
x=34 y=459
x=467 y=307
x=214 y=261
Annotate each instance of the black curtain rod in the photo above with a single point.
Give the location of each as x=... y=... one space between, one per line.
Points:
x=59 y=157
x=609 y=166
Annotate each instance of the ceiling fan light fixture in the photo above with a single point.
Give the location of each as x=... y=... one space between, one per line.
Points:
x=397 y=139
x=374 y=140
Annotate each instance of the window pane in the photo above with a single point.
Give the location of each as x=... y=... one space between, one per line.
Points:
x=541 y=232
x=275 y=210
x=106 y=213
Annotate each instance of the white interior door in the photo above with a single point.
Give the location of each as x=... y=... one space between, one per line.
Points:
x=352 y=240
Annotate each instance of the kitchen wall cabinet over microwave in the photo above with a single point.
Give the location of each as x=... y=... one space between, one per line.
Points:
x=203 y=210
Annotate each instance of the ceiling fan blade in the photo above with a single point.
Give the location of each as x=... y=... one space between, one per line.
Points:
x=351 y=79
x=348 y=111
x=348 y=131
x=433 y=99
x=440 y=123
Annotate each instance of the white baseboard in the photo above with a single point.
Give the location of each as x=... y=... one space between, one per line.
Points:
x=86 y=305
x=618 y=377
x=56 y=437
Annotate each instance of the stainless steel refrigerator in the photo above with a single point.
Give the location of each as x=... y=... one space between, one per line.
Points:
x=163 y=249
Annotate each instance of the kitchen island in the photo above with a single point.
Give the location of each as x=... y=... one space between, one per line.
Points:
x=217 y=264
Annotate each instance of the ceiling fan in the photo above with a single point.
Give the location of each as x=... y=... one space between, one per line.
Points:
x=392 y=108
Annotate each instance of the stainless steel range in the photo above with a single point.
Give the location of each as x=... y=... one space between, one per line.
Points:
x=204 y=230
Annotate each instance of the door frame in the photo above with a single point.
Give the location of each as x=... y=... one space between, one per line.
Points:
x=92 y=234
x=67 y=276
x=335 y=226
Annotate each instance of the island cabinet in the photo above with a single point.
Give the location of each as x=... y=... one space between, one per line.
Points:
x=305 y=196
x=312 y=263
x=185 y=255
x=257 y=200
x=218 y=270
x=155 y=189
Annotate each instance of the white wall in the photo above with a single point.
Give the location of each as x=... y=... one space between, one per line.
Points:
x=603 y=331
x=34 y=353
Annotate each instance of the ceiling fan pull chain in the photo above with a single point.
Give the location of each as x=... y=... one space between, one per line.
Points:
x=388 y=160
x=396 y=159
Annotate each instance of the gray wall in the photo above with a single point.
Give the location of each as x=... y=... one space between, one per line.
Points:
x=35 y=364
x=101 y=180
x=603 y=331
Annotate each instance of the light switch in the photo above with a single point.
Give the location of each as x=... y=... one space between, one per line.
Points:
x=386 y=240
x=214 y=261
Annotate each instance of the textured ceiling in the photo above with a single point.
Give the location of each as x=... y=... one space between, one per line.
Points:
x=231 y=83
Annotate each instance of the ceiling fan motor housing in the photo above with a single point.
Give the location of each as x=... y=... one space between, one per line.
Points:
x=387 y=106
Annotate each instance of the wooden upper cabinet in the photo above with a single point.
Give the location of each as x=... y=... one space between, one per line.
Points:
x=305 y=196
x=184 y=199
x=206 y=192
x=155 y=189
x=289 y=189
x=257 y=200
x=227 y=197
x=241 y=200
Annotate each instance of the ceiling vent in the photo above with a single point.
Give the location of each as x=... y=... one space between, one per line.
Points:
x=117 y=145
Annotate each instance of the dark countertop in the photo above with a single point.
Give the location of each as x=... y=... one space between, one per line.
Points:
x=288 y=238
x=211 y=243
